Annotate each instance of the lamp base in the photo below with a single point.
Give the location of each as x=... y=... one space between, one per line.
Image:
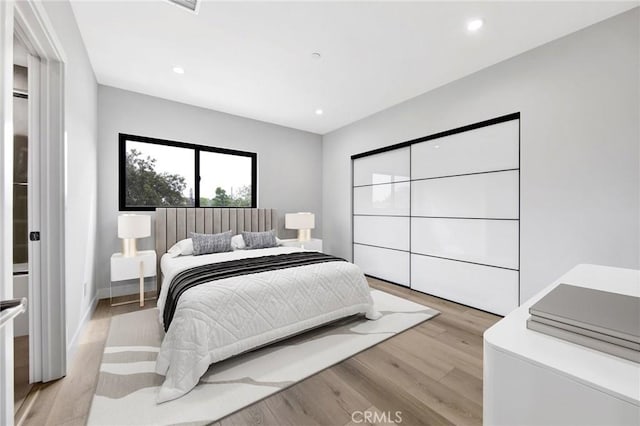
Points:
x=304 y=234
x=129 y=247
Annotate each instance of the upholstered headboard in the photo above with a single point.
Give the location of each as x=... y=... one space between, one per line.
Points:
x=175 y=224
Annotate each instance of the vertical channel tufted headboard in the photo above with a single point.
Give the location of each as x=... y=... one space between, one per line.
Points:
x=175 y=223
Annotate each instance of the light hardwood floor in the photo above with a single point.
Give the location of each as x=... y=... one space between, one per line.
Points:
x=430 y=374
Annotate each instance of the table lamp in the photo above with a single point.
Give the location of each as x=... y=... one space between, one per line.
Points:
x=304 y=222
x=130 y=227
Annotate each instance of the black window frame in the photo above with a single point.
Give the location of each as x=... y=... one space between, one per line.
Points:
x=122 y=178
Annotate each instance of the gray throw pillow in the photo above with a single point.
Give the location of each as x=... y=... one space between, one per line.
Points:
x=257 y=240
x=211 y=243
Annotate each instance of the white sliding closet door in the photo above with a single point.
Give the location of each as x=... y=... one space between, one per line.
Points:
x=465 y=217
x=441 y=214
x=381 y=209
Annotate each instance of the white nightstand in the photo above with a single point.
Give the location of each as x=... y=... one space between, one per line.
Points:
x=313 y=244
x=139 y=266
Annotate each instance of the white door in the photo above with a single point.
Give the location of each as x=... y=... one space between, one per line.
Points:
x=6 y=214
x=35 y=318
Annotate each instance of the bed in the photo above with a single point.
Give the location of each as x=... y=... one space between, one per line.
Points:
x=288 y=291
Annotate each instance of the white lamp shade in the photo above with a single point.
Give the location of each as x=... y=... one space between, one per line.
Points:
x=300 y=220
x=134 y=226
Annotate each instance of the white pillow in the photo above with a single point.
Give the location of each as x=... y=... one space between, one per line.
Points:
x=237 y=242
x=181 y=248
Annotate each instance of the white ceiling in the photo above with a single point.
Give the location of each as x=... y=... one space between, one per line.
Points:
x=254 y=59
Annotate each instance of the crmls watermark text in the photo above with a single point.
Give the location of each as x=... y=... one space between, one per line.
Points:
x=376 y=417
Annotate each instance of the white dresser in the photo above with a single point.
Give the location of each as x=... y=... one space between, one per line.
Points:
x=534 y=379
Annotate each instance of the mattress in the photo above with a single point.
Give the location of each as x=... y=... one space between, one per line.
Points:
x=223 y=318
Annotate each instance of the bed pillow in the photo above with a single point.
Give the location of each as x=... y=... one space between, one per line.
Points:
x=181 y=248
x=211 y=243
x=237 y=242
x=258 y=240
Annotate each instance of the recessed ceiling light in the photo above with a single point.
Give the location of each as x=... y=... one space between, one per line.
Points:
x=475 y=24
x=178 y=70
x=436 y=146
x=319 y=111
x=316 y=55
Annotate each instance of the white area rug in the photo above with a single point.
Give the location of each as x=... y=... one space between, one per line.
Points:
x=128 y=385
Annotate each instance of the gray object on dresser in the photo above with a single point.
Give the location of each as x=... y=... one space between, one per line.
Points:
x=606 y=313
x=601 y=320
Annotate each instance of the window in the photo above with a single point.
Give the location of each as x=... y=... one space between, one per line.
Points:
x=159 y=173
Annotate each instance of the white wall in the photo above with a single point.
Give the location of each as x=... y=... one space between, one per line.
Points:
x=289 y=161
x=579 y=102
x=81 y=102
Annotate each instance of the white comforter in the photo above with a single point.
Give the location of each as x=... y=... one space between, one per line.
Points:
x=223 y=318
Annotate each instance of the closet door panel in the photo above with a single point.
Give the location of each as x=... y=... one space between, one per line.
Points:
x=484 y=287
x=485 y=149
x=388 y=199
x=490 y=242
x=390 y=265
x=386 y=167
x=488 y=195
x=382 y=231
